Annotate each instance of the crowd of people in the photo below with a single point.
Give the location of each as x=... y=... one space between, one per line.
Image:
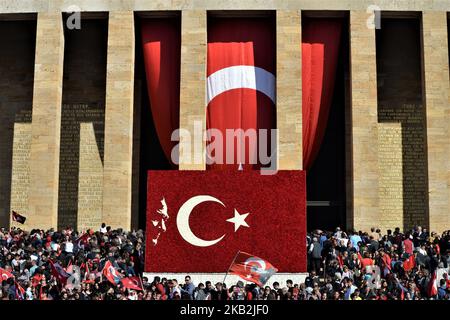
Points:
x=370 y=266
x=108 y=265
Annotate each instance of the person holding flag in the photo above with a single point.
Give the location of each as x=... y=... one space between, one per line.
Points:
x=432 y=288
x=111 y=273
x=20 y=292
x=5 y=274
x=133 y=283
x=252 y=268
x=59 y=273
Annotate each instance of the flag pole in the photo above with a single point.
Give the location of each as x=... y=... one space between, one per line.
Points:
x=232 y=262
x=142 y=284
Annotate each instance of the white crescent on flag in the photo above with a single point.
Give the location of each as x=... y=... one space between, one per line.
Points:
x=240 y=76
x=183 y=221
x=185 y=212
x=261 y=263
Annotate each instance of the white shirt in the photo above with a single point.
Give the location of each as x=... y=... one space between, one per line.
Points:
x=15 y=262
x=54 y=246
x=29 y=294
x=347 y=274
x=175 y=289
x=69 y=247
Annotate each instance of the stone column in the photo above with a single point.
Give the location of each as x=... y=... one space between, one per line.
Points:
x=364 y=123
x=193 y=89
x=437 y=103
x=289 y=90
x=118 y=156
x=46 y=122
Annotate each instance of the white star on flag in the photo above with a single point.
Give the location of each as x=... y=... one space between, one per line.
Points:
x=239 y=220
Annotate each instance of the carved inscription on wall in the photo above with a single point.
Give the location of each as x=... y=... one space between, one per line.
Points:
x=402 y=155
x=390 y=173
x=81 y=166
x=20 y=178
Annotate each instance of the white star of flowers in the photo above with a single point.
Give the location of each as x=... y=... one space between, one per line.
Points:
x=239 y=220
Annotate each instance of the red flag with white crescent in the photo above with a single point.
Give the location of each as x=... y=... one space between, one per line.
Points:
x=252 y=268
x=432 y=285
x=59 y=273
x=5 y=274
x=240 y=83
x=131 y=283
x=199 y=216
x=111 y=273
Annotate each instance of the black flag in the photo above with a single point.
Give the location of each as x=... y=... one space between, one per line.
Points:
x=18 y=218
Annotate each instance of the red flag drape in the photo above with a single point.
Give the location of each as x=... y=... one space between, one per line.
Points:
x=241 y=81
x=320 y=50
x=161 y=42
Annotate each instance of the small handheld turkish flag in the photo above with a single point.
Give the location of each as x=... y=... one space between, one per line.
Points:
x=131 y=283
x=83 y=239
x=20 y=292
x=252 y=268
x=36 y=279
x=432 y=285
x=59 y=273
x=5 y=274
x=18 y=218
x=111 y=273
x=409 y=263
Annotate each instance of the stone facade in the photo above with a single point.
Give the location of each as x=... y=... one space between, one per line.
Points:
x=46 y=122
x=117 y=177
x=14 y=6
x=289 y=90
x=437 y=102
x=193 y=89
x=16 y=95
x=402 y=156
x=80 y=198
x=364 y=123
x=30 y=171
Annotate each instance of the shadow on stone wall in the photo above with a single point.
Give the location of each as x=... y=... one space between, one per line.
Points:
x=403 y=157
x=18 y=41
x=82 y=125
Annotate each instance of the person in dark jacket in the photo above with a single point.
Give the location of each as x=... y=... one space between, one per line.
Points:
x=442 y=290
x=220 y=293
x=315 y=250
x=187 y=290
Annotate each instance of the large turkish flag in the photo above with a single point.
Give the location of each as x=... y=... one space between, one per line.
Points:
x=198 y=220
x=240 y=85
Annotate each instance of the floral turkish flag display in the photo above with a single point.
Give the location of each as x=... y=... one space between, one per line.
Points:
x=198 y=220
